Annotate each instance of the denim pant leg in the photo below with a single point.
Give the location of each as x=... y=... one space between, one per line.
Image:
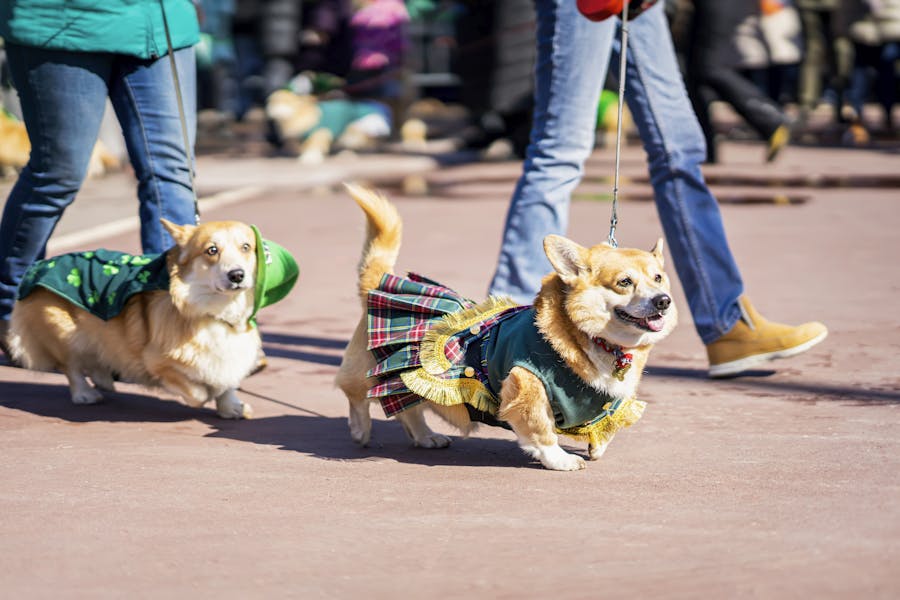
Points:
x=143 y=95
x=675 y=148
x=572 y=59
x=63 y=97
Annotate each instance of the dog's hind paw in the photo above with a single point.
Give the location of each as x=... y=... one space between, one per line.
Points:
x=361 y=437
x=87 y=396
x=433 y=440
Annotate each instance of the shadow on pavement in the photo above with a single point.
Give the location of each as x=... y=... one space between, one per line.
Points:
x=328 y=438
x=279 y=345
x=49 y=400
x=304 y=340
x=789 y=390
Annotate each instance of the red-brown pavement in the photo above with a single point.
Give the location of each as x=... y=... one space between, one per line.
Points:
x=782 y=483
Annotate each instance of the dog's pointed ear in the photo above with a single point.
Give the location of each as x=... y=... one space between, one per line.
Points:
x=566 y=256
x=180 y=233
x=657 y=251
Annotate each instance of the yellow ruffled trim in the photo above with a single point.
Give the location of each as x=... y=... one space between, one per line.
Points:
x=449 y=392
x=602 y=432
x=431 y=349
x=463 y=390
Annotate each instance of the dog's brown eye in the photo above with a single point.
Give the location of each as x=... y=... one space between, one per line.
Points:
x=212 y=250
x=246 y=247
x=624 y=282
x=658 y=278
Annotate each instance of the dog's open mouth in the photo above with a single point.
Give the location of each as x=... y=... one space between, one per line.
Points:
x=650 y=323
x=231 y=287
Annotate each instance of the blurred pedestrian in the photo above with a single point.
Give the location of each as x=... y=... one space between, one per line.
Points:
x=875 y=31
x=569 y=78
x=713 y=61
x=66 y=59
x=827 y=54
x=782 y=50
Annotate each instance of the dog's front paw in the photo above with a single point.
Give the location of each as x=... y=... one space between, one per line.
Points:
x=433 y=440
x=103 y=380
x=229 y=406
x=595 y=451
x=557 y=459
x=312 y=157
x=246 y=411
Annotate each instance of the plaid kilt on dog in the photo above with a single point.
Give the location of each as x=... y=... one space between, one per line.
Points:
x=400 y=312
x=431 y=343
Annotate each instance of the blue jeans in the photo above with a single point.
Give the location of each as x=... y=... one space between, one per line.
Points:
x=881 y=60
x=573 y=56
x=63 y=96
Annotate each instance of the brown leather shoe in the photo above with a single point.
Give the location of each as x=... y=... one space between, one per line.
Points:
x=753 y=341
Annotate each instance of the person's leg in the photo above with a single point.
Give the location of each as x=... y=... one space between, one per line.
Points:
x=737 y=337
x=886 y=83
x=814 y=58
x=675 y=148
x=858 y=89
x=63 y=98
x=143 y=95
x=573 y=54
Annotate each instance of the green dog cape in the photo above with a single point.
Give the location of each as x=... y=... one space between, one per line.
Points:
x=102 y=281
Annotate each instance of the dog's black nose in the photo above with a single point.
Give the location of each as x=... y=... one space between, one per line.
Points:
x=662 y=301
x=236 y=275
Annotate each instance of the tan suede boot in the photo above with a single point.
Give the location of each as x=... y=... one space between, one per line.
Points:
x=753 y=340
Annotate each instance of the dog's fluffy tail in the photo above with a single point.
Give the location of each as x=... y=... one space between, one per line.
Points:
x=383 y=236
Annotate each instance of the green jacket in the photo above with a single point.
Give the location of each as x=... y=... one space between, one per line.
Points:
x=516 y=342
x=133 y=27
x=102 y=281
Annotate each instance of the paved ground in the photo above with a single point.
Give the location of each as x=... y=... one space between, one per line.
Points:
x=782 y=483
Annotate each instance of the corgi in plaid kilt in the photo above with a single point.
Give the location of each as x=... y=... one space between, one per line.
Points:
x=568 y=365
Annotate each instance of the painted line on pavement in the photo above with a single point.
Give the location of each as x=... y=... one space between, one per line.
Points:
x=76 y=239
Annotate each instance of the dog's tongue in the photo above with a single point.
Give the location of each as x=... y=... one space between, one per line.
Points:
x=654 y=323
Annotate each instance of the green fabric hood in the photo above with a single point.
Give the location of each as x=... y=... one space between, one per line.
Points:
x=276 y=272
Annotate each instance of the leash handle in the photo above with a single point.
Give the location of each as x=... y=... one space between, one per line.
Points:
x=184 y=132
x=614 y=218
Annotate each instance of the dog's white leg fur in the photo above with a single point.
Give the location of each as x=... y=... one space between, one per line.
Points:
x=524 y=405
x=595 y=451
x=229 y=406
x=413 y=421
x=351 y=379
x=82 y=391
x=360 y=421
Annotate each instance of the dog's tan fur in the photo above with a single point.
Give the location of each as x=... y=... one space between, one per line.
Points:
x=576 y=304
x=15 y=148
x=193 y=340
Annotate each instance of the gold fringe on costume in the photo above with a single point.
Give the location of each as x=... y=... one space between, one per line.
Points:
x=602 y=431
x=449 y=392
x=431 y=349
x=463 y=390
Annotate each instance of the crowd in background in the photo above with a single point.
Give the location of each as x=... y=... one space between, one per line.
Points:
x=797 y=53
x=779 y=63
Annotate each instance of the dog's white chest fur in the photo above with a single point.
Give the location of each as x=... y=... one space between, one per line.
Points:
x=222 y=355
x=606 y=381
